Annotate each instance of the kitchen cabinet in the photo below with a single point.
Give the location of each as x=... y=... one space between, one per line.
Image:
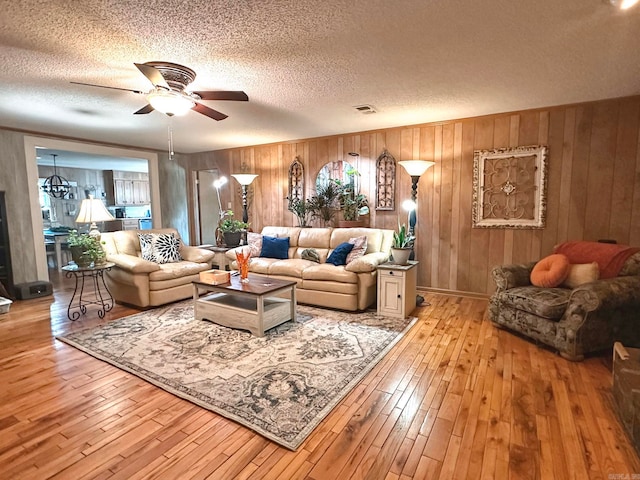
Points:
x=121 y=224
x=127 y=188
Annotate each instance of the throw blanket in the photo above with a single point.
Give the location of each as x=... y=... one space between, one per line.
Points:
x=610 y=257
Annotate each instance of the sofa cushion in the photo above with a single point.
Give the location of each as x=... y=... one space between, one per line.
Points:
x=261 y=264
x=581 y=273
x=339 y=255
x=292 y=267
x=550 y=271
x=329 y=272
x=273 y=247
x=544 y=302
x=177 y=270
x=359 y=248
x=160 y=247
x=611 y=257
x=254 y=240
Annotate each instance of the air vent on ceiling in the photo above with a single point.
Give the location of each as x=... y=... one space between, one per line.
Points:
x=366 y=109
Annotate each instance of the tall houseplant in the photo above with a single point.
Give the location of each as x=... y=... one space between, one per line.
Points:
x=301 y=208
x=324 y=203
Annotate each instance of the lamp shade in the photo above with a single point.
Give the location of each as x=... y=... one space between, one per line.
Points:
x=415 y=168
x=93 y=210
x=244 y=178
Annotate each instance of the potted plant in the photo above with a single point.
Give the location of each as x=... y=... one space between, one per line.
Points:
x=324 y=203
x=402 y=245
x=85 y=249
x=231 y=229
x=301 y=208
x=352 y=202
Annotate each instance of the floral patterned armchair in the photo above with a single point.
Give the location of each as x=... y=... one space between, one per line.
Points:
x=587 y=318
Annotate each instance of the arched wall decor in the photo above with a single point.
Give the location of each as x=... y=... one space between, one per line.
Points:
x=296 y=180
x=385 y=181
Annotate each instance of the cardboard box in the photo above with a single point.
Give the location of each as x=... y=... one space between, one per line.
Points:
x=215 y=277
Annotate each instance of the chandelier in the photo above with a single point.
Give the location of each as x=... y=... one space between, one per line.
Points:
x=56 y=186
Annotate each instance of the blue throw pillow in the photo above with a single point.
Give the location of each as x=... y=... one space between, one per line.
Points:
x=273 y=247
x=339 y=255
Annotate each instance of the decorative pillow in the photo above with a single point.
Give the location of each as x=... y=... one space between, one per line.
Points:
x=359 y=247
x=254 y=240
x=273 y=247
x=550 y=271
x=580 y=273
x=160 y=247
x=339 y=255
x=310 y=254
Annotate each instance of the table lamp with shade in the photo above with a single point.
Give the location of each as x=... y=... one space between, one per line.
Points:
x=92 y=210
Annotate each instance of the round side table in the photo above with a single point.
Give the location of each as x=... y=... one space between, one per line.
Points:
x=100 y=294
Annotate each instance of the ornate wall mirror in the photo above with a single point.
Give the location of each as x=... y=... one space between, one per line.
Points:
x=385 y=181
x=338 y=170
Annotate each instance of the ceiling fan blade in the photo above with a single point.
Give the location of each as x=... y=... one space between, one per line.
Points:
x=153 y=74
x=239 y=96
x=112 y=88
x=209 y=112
x=146 y=109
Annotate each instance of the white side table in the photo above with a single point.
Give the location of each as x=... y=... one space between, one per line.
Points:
x=397 y=289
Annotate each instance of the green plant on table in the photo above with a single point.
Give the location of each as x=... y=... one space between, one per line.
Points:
x=88 y=249
x=228 y=224
x=402 y=238
x=301 y=208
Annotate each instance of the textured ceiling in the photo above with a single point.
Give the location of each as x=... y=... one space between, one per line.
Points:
x=305 y=64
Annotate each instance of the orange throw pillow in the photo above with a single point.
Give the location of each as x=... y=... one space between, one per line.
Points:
x=551 y=271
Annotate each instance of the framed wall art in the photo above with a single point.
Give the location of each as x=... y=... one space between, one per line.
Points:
x=509 y=187
x=385 y=181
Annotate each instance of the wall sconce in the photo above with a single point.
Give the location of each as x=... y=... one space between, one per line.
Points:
x=244 y=179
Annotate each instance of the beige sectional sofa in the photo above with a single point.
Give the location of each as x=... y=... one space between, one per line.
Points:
x=144 y=283
x=347 y=287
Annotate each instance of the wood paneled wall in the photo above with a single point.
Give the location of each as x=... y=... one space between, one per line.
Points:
x=593 y=190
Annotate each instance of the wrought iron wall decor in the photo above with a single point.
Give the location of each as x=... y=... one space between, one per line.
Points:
x=385 y=181
x=296 y=181
x=509 y=187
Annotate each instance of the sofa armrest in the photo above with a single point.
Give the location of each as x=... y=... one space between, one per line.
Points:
x=195 y=254
x=367 y=263
x=609 y=293
x=133 y=264
x=510 y=276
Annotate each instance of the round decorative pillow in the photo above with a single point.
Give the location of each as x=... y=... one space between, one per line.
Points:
x=551 y=271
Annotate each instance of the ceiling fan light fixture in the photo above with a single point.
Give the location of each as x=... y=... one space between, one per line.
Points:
x=623 y=4
x=170 y=103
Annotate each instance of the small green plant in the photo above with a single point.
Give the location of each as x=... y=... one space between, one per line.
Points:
x=402 y=238
x=85 y=249
x=324 y=203
x=228 y=224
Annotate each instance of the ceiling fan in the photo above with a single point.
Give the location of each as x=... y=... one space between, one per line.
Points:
x=169 y=94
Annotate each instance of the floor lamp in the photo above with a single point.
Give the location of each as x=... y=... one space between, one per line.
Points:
x=415 y=168
x=217 y=184
x=244 y=179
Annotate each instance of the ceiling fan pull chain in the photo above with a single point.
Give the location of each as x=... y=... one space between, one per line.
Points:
x=170 y=140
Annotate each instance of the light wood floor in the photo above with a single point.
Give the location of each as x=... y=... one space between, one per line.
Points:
x=455 y=399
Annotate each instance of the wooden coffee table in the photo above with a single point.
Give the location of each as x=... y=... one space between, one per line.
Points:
x=251 y=306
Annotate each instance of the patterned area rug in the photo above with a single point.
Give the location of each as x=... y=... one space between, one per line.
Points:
x=281 y=385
